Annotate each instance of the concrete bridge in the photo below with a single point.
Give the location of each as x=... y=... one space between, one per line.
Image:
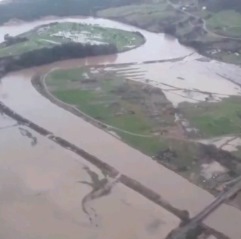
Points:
x=191 y=228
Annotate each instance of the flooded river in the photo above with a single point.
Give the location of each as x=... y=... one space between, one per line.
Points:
x=42 y=192
x=46 y=179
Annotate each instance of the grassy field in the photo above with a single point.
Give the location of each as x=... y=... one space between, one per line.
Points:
x=152 y=16
x=59 y=33
x=215 y=119
x=116 y=102
x=229 y=57
x=136 y=113
x=23 y=47
x=140 y=9
x=226 y=22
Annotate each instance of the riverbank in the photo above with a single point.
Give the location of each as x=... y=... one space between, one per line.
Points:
x=48 y=55
x=188 y=26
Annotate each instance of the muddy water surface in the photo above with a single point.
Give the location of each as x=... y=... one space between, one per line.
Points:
x=188 y=76
x=42 y=188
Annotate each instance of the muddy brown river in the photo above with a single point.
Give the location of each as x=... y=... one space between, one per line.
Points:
x=40 y=196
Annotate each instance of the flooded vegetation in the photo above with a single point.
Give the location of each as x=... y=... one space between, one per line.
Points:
x=214 y=119
x=53 y=34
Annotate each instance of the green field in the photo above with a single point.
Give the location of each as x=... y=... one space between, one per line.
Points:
x=227 y=23
x=58 y=33
x=215 y=119
x=229 y=57
x=139 y=9
x=152 y=16
x=127 y=107
x=23 y=47
x=117 y=102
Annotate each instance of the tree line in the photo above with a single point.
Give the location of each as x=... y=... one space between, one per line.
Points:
x=32 y=9
x=56 y=53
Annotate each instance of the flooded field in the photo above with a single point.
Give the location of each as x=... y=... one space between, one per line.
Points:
x=47 y=175
x=52 y=35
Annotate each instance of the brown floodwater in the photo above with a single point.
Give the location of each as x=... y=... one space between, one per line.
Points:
x=187 y=74
x=41 y=196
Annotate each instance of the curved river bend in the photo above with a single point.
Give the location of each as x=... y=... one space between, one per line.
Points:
x=161 y=60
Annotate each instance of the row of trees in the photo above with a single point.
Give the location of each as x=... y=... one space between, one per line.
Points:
x=56 y=53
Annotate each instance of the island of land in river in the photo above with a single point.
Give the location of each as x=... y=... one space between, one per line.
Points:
x=56 y=34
